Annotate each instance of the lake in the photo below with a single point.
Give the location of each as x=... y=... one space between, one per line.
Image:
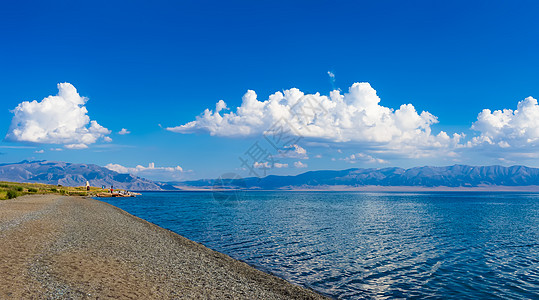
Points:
x=355 y=245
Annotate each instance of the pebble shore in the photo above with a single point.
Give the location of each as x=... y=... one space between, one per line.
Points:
x=58 y=247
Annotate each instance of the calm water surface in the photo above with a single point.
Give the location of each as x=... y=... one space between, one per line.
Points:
x=367 y=245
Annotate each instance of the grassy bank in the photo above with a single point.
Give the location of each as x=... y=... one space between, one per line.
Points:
x=10 y=190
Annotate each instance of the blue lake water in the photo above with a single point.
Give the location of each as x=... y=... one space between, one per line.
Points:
x=366 y=245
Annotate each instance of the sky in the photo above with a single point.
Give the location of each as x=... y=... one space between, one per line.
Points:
x=181 y=90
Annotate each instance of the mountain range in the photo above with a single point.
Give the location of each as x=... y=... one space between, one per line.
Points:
x=457 y=176
x=69 y=174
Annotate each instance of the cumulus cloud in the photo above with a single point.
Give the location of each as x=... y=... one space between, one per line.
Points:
x=294 y=151
x=124 y=131
x=39 y=151
x=507 y=128
x=298 y=164
x=355 y=116
x=280 y=165
x=150 y=172
x=60 y=119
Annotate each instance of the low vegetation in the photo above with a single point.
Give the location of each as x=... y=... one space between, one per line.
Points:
x=10 y=190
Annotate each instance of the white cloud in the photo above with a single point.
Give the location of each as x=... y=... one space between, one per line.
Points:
x=507 y=128
x=294 y=151
x=139 y=168
x=220 y=106
x=60 y=119
x=355 y=116
x=39 y=151
x=150 y=172
x=362 y=157
x=118 y=168
x=331 y=75
x=76 y=146
x=299 y=164
x=332 y=79
x=262 y=165
x=299 y=150
x=124 y=131
x=267 y=165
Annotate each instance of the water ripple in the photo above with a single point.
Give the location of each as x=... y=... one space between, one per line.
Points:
x=368 y=245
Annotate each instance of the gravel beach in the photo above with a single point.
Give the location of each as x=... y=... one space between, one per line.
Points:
x=58 y=247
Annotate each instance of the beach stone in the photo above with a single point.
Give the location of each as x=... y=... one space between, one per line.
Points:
x=59 y=247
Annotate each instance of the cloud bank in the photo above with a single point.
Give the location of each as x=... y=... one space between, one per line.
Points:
x=355 y=116
x=60 y=119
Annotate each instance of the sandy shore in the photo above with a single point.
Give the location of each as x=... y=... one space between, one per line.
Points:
x=55 y=247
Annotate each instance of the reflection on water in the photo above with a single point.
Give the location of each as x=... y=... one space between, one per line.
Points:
x=367 y=245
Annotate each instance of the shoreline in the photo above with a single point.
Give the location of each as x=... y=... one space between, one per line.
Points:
x=78 y=247
x=375 y=188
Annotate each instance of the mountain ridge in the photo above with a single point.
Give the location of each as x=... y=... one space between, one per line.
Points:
x=72 y=174
x=454 y=176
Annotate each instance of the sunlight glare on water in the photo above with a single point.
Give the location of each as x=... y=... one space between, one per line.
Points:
x=367 y=245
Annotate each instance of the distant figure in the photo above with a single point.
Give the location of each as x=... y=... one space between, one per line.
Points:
x=87 y=186
x=111 y=189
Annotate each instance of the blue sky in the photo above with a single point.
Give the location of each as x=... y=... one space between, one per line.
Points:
x=147 y=67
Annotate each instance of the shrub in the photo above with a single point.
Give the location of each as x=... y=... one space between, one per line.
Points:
x=19 y=188
x=12 y=194
x=54 y=190
x=3 y=185
x=32 y=190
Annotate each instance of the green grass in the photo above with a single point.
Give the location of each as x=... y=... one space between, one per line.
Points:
x=10 y=190
x=11 y=194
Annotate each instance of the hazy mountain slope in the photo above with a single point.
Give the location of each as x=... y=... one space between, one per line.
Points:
x=69 y=174
x=451 y=176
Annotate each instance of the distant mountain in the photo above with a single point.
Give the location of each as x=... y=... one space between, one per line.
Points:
x=68 y=174
x=456 y=176
x=451 y=176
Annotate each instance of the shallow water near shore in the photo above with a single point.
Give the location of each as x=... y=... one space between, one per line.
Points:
x=353 y=245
